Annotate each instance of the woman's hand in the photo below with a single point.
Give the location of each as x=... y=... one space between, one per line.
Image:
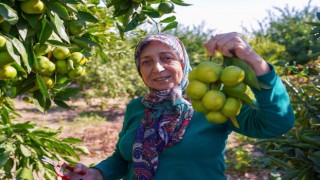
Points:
x=231 y=44
x=81 y=171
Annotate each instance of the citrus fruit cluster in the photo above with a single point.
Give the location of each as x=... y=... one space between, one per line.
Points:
x=61 y=60
x=6 y=70
x=218 y=90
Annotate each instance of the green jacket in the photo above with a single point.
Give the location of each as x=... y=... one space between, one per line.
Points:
x=200 y=155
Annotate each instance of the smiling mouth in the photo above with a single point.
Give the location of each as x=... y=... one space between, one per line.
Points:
x=161 y=78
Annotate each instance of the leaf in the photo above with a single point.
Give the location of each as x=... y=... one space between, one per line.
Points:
x=132 y=25
x=61 y=104
x=59 y=9
x=8 y=14
x=152 y=13
x=42 y=86
x=250 y=76
x=25 y=151
x=4 y=156
x=4 y=115
x=172 y=25
x=180 y=2
x=41 y=102
x=66 y=93
x=13 y=52
x=168 y=19
x=83 y=42
x=241 y=95
x=279 y=162
x=33 y=19
x=22 y=50
x=56 y=43
x=24 y=174
x=82 y=149
x=46 y=31
x=59 y=27
x=72 y=140
x=22 y=28
x=87 y=17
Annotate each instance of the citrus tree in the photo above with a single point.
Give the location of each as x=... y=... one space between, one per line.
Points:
x=45 y=45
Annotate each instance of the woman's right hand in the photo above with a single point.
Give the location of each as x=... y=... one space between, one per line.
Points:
x=81 y=171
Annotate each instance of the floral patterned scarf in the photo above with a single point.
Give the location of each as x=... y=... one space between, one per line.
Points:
x=167 y=113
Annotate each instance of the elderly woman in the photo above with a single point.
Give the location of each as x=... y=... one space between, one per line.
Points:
x=164 y=138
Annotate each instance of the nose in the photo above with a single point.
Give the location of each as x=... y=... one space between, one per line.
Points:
x=158 y=67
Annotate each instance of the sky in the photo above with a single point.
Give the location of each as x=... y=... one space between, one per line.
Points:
x=231 y=15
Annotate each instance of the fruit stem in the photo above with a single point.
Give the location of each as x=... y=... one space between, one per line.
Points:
x=234 y=122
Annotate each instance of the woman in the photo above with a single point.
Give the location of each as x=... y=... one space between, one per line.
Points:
x=164 y=138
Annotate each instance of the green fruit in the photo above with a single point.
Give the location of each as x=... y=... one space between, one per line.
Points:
x=7 y=72
x=77 y=58
x=214 y=100
x=166 y=7
x=76 y=72
x=50 y=70
x=61 y=53
x=62 y=67
x=48 y=81
x=196 y=89
x=5 y=58
x=208 y=71
x=232 y=75
x=241 y=87
x=198 y=106
x=3 y=43
x=192 y=75
x=232 y=107
x=43 y=64
x=41 y=49
x=216 y=117
x=33 y=6
x=77 y=26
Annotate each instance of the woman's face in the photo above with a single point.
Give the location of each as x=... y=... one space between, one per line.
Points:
x=160 y=66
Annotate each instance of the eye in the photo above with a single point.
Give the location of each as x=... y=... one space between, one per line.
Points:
x=145 y=62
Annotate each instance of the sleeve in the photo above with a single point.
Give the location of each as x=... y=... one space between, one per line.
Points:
x=274 y=115
x=115 y=166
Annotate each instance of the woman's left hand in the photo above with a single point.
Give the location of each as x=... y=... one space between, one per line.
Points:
x=231 y=44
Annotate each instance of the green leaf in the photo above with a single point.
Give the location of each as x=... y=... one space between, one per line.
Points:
x=241 y=95
x=24 y=174
x=46 y=31
x=34 y=139
x=59 y=27
x=180 y=2
x=13 y=52
x=87 y=17
x=61 y=104
x=168 y=19
x=59 y=9
x=250 y=76
x=56 y=43
x=83 y=42
x=171 y=25
x=33 y=19
x=4 y=115
x=22 y=50
x=152 y=13
x=66 y=93
x=71 y=140
x=41 y=102
x=82 y=149
x=42 y=86
x=132 y=25
x=8 y=14
x=279 y=162
x=4 y=156
x=25 y=150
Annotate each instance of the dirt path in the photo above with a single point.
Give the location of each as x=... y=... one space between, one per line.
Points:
x=97 y=128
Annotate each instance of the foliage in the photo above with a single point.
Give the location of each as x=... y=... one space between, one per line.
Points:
x=287 y=27
x=297 y=152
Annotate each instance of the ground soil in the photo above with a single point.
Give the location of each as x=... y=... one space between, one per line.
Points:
x=99 y=136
